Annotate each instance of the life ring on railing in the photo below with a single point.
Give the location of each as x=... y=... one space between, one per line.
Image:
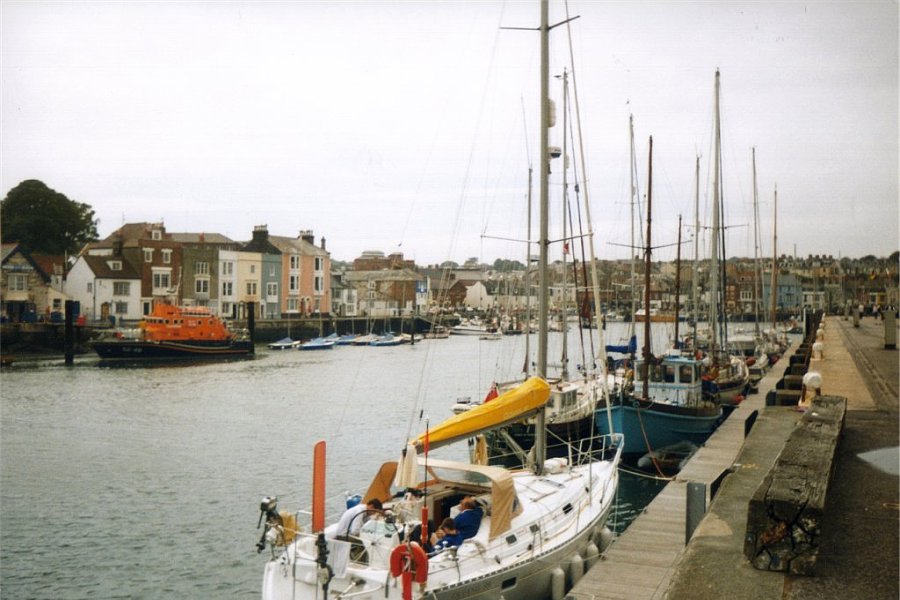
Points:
x=410 y=558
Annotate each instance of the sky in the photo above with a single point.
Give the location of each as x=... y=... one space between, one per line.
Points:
x=410 y=126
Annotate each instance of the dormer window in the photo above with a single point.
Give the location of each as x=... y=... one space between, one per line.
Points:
x=115 y=265
x=156 y=234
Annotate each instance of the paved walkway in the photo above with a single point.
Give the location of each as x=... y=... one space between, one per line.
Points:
x=859 y=554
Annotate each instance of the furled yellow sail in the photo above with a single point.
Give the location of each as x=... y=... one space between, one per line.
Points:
x=515 y=405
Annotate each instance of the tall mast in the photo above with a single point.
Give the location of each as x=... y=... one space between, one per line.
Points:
x=526 y=368
x=677 y=280
x=633 y=167
x=648 y=354
x=565 y=197
x=714 y=245
x=544 y=234
x=757 y=280
x=774 y=288
x=695 y=296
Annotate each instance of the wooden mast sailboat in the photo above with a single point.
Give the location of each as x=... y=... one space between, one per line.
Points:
x=667 y=408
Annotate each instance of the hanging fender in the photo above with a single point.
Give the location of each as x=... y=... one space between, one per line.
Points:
x=410 y=558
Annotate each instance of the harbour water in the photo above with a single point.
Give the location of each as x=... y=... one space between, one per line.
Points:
x=145 y=482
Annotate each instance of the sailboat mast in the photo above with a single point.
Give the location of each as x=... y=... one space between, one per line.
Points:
x=714 y=246
x=648 y=354
x=774 y=290
x=565 y=194
x=677 y=280
x=544 y=235
x=758 y=279
x=695 y=295
x=632 y=168
x=526 y=368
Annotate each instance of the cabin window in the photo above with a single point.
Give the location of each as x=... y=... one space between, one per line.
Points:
x=669 y=373
x=656 y=373
x=686 y=374
x=511 y=539
x=508 y=583
x=641 y=370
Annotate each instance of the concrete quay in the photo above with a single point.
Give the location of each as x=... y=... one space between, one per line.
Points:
x=858 y=555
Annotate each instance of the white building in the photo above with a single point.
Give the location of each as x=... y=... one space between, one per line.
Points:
x=105 y=286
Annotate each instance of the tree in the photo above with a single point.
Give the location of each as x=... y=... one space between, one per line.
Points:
x=45 y=221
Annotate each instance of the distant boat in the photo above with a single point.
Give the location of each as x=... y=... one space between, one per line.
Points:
x=388 y=339
x=655 y=316
x=175 y=332
x=283 y=344
x=319 y=343
x=346 y=339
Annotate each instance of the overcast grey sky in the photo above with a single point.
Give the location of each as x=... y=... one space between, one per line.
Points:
x=402 y=125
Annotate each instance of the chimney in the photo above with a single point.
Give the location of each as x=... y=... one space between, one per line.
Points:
x=307 y=236
x=323 y=242
x=261 y=234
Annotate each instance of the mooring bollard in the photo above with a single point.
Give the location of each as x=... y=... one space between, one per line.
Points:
x=812 y=387
x=890 y=330
x=696 y=508
x=818 y=350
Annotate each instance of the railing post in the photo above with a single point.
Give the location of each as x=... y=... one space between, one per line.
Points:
x=696 y=508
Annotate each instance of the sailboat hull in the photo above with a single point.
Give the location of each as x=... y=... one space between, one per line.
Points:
x=661 y=425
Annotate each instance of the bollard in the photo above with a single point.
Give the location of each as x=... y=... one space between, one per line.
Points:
x=890 y=330
x=812 y=387
x=818 y=350
x=855 y=319
x=69 y=335
x=696 y=508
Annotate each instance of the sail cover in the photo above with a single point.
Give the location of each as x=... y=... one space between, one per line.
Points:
x=515 y=405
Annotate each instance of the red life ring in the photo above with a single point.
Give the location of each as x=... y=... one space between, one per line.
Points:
x=410 y=558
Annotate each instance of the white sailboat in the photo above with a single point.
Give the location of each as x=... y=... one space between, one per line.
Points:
x=535 y=522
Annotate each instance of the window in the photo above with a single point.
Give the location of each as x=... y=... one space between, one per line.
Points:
x=320 y=263
x=156 y=234
x=115 y=265
x=162 y=280
x=121 y=288
x=227 y=268
x=120 y=308
x=167 y=256
x=295 y=262
x=319 y=283
x=292 y=305
x=90 y=287
x=227 y=288
x=294 y=283
x=271 y=289
x=201 y=286
x=201 y=268
x=19 y=283
x=253 y=268
x=148 y=255
x=57 y=304
x=251 y=288
x=271 y=270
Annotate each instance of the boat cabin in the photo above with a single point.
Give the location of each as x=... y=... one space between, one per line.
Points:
x=673 y=379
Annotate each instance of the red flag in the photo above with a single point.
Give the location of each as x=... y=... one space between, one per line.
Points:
x=491 y=394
